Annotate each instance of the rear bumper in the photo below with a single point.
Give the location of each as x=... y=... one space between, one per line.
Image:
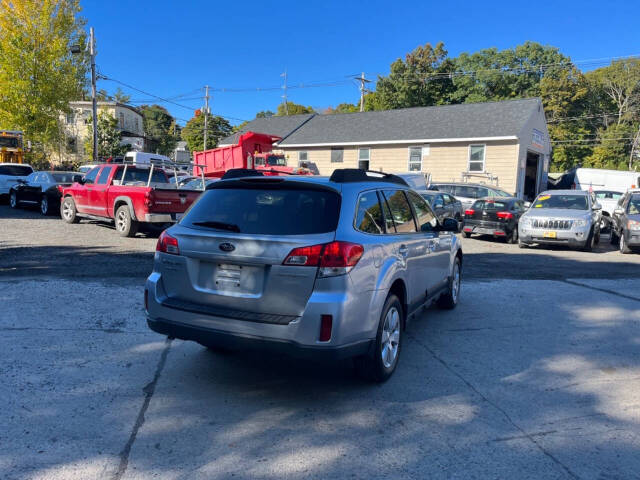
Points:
x=574 y=239
x=487 y=228
x=162 y=217
x=633 y=239
x=236 y=341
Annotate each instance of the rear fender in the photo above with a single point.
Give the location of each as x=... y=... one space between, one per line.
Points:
x=123 y=200
x=390 y=271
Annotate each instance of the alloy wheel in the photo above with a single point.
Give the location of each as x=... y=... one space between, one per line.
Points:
x=44 y=206
x=121 y=221
x=455 y=286
x=390 y=337
x=67 y=212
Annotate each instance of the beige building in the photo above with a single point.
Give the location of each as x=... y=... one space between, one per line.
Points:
x=76 y=127
x=505 y=144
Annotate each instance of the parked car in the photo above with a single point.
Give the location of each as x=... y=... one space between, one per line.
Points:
x=601 y=179
x=10 y=173
x=494 y=216
x=88 y=167
x=625 y=223
x=443 y=204
x=468 y=193
x=416 y=181
x=129 y=195
x=199 y=183
x=566 y=217
x=306 y=265
x=43 y=189
x=608 y=199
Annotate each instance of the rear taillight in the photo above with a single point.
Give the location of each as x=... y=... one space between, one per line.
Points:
x=167 y=244
x=148 y=199
x=469 y=211
x=335 y=258
x=326 y=324
x=505 y=215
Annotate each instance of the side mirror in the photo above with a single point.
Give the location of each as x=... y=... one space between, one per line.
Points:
x=81 y=180
x=618 y=211
x=449 y=225
x=527 y=204
x=597 y=206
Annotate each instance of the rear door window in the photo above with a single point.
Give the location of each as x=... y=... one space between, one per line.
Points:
x=424 y=215
x=400 y=211
x=90 y=177
x=15 y=170
x=104 y=176
x=280 y=211
x=369 y=214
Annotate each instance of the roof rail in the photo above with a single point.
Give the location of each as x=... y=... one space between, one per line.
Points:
x=352 y=175
x=241 y=173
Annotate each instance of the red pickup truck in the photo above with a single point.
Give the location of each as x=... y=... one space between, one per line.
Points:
x=130 y=195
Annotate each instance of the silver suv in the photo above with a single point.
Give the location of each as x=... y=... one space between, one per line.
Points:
x=306 y=265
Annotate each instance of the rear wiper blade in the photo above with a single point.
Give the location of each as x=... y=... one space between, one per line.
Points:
x=219 y=225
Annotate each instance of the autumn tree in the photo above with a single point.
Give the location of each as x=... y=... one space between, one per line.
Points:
x=39 y=75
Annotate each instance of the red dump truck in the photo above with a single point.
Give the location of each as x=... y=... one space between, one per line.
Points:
x=252 y=151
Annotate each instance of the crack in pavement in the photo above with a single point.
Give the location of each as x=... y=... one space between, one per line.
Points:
x=50 y=329
x=525 y=434
x=599 y=289
x=148 y=390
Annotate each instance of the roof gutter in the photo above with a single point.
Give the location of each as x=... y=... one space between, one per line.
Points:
x=396 y=142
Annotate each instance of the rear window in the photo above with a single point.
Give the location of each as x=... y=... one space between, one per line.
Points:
x=488 y=205
x=140 y=175
x=66 y=177
x=15 y=170
x=266 y=212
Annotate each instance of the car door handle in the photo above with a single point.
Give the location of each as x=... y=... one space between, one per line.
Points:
x=403 y=251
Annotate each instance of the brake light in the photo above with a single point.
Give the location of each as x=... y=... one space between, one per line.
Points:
x=335 y=258
x=167 y=244
x=326 y=324
x=505 y=215
x=470 y=211
x=148 y=199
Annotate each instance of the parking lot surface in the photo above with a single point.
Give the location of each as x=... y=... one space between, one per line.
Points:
x=535 y=375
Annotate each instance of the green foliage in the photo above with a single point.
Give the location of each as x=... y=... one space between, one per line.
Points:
x=343 y=108
x=265 y=114
x=240 y=126
x=293 y=109
x=160 y=128
x=39 y=75
x=121 y=97
x=614 y=148
x=108 y=137
x=193 y=132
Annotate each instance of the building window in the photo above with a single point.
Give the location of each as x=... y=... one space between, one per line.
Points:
x=337 y=154
x=364 y=155
x=71 y=118
x=476 y=158
x=303 y=157
x=415 y=159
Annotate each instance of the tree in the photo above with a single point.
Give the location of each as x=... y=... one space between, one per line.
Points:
x=293 y=109
x=613 y=148
x=39 y=75
x=121 y=97
x=193 y=131
x=343 y=108
x=265 y=114
x=619 y=88
x=159 y=127
x=109 y=137
x=418 y=80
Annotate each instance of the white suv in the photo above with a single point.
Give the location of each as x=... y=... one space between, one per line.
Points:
x=10 y=173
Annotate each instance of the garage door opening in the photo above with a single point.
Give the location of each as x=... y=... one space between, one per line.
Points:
x=531 y=176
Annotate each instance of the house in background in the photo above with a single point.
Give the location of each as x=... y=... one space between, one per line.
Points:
x=76 y=127
x=505 y=143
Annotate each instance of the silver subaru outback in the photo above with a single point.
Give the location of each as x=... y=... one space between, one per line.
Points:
x=306 y=265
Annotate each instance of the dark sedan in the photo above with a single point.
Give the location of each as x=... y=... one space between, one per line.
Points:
x=443 y=204
x=625 y=223
x=42 y=189
x=494 y=216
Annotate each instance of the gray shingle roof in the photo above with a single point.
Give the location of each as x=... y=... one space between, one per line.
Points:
x=278 y=126
x=471 y=120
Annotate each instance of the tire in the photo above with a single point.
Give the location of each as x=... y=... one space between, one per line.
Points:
x=125 y=225
x=449 y=300
x=466 y=234
x=513 y=238
x=614 y=239
x=590 y=243
x=68 y=211
x=45 y=206
x=624 y=248
x=521 y=244
x=13 y=199
x=379 y=365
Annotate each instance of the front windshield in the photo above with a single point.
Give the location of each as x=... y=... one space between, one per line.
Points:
x=276 y=161
x=571 y=202
x=8 y=142
x=634 y=205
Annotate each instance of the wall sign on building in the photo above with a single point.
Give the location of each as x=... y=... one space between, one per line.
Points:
x=537 y=139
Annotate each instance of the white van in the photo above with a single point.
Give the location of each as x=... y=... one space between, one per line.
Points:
x=146 y=158
x=597 y=179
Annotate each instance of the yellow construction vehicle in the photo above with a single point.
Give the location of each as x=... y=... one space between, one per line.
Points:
x=11 y=146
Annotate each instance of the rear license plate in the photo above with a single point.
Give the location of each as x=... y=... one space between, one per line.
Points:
x=486 y=231
x=549 y=235
x=228 y=275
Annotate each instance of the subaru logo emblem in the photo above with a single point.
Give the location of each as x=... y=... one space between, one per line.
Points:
x=227 y=247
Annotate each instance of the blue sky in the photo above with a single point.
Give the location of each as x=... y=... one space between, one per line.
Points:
x=171 y=48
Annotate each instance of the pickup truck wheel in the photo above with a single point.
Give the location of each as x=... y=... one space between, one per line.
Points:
x=68 y=211
x=380 y=364
x=13 y=199
x=125 y=225
x=466 y=234
x=449 y=300
x=45 y=209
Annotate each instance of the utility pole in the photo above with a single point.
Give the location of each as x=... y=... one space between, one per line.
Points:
x=206 y=113
x=362 y=81
x=94 y=103
x=635 y=149
x=284 y=95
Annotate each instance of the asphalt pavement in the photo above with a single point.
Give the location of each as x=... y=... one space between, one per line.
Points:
x=535 y=375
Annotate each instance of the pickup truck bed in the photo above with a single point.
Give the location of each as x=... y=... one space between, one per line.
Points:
x=129 y=201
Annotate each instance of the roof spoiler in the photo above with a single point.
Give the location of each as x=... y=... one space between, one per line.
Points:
x=241 y=173
x=352 y=175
